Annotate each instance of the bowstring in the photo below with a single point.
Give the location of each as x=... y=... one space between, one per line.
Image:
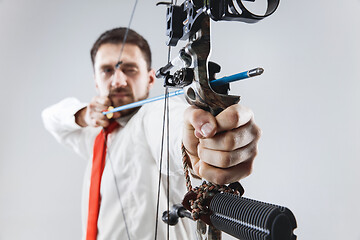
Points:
x=168 y=154
x=160 y=166
x=168 y=142
x=116 y=185
x=126 y=34
x=166 y=120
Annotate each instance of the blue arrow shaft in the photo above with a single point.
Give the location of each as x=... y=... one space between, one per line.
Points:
x=214 y=83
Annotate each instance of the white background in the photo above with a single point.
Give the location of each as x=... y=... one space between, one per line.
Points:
x=306 y=102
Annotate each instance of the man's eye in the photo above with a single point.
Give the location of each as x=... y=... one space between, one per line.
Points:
x=130 y=71
x=108 y=70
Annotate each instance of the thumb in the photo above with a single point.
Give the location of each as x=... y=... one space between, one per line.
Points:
x=198 y=124
x=202 y=122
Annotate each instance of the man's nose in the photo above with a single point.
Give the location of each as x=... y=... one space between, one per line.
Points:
x=119 y=79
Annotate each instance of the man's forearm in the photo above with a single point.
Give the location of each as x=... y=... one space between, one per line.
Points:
x=61 y=121
x=80 y=117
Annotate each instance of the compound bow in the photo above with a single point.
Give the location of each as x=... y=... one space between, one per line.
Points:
x=221 y=207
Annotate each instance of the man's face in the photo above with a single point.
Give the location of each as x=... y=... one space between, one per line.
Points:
x=130 y=82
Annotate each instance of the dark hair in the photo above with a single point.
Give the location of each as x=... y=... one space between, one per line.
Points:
x=116 y=36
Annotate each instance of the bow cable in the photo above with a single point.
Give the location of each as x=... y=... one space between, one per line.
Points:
x=166 y=122
x=166 y=119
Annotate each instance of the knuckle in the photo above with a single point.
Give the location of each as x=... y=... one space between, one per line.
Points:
x=229 y=141
x=234 y=116
x=218 y=159
x=190 y=111
x=94 y=123
x=197 y=117
x=247 y=111
x=253 y=150
x=189 y=115
x=92 y=105
x=225 y=160
x=98 y=122
x=257 y=131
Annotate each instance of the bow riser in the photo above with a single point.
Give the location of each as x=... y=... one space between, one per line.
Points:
x=199 y=92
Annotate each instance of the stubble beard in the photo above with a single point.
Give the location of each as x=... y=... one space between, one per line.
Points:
x=117 y=102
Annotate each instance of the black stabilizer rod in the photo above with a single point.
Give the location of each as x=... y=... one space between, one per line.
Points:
x=249 y=219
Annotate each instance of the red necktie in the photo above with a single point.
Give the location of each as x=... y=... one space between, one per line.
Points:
x=98 y=165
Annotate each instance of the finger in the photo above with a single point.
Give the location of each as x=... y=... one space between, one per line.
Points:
x=99 y=104
x=227 y=159
x=224 y=176
x=99 y=120
x=197 y=124
x=200 y=121
x=105 y=101
x=103 y=104
x=97 y=107
x=233 y=117
x=99 y=123
x=194 y=163
x=116 y=115
x=233 y=139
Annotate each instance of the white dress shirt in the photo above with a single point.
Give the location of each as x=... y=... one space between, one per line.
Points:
x=130 y=179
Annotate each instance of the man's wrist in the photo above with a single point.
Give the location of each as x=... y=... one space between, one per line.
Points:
x=80 y=117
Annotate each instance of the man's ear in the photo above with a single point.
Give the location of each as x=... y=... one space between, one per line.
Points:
x=151 y=78
x=96 y=85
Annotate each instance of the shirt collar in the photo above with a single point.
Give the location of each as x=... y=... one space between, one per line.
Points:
x=124 y=120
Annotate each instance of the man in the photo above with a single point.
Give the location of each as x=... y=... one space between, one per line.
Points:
x=221 y=149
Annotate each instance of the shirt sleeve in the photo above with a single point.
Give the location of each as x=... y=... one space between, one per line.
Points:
x=153 y=128
x=59 y=120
